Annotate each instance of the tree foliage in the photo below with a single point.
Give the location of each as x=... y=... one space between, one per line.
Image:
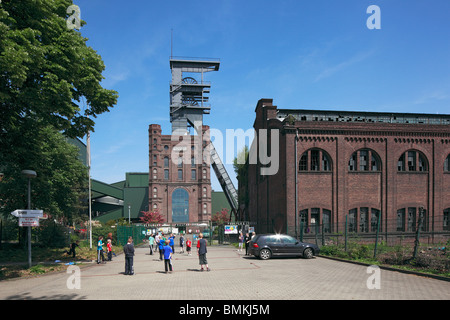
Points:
x=149 y=217
x=221 y=218
x=50 y=87
x=61 y=177
x=46 y=70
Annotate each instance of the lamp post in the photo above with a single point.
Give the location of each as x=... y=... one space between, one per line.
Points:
x=29 y=174
x=129 y=214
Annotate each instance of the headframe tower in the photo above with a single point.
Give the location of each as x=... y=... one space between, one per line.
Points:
x=189 y=102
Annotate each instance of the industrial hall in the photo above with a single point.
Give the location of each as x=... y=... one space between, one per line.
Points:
x=354 y=170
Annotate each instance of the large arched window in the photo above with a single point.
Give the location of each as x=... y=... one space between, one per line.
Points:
x=412 y=161
x=315 y=160
x=180 y=205
x=364 y=160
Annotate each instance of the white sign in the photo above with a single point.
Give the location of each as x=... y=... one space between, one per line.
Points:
x=29 y=222
x=231 y=230
x=28 y=213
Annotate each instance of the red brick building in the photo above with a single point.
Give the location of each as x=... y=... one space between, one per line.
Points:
x=179 y=179
x=338 y=165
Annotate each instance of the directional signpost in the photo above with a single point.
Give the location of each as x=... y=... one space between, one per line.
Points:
x=28 y=218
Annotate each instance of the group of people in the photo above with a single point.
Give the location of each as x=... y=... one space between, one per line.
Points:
x=100 y=251
x=166 y=248
x=245 y=240
x=165 y=245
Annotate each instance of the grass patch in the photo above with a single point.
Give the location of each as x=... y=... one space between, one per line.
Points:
x=432 y=260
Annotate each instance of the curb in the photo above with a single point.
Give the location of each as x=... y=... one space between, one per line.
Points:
x=417 y=273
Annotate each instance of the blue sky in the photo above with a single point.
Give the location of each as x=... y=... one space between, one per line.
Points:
x=302 y=54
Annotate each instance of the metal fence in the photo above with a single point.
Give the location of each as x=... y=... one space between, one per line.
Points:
x=392 y=231
x=137 y=232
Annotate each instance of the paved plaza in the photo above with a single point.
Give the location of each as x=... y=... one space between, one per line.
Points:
x=233 y=276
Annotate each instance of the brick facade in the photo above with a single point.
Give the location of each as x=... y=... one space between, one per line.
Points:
x=175 y=162
x=354 y=164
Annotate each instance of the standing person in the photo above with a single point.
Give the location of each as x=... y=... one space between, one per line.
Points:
x=151 y=241
x=109 y=250
x=247 y=243
x=100 y=250
x=128 y=250
x=182 y=243
x=188 y=246
x=172 y=242
x=201 y=251
x=72 y=248
x=161 y=247
x=241 y=240
x=156 y=242
x=168 y=256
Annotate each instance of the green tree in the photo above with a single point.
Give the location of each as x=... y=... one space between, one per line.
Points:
x=240 y=168
x=61 y=177
x=49 y=87
x=47 y=71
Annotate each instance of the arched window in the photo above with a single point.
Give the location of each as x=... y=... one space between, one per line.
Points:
x=446 y=220
x=364 y=160
x=180 y=205
x=447 y=164
x=412 y=161
x=364 y=219
x=315 y=160
x=166 y=162
x=408 y=218
x=314 y=220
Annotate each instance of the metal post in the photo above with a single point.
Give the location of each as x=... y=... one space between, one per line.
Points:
x=29 y=228
x=296 y=181
x=29 y=174
x=419 y=226
x=376 y=239
x=345 y=232
x=301 y=229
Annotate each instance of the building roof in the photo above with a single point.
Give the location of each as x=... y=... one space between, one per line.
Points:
x=361 y=116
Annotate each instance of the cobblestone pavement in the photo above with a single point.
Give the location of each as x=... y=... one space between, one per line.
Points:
x=233 y=276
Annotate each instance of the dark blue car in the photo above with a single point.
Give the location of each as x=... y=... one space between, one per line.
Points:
x=265 y=246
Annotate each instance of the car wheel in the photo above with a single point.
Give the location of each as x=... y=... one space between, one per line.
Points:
x=265 y=254
x=308 y=253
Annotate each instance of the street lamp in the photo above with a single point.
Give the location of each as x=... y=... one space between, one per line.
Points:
x=29 y=174
x=129 y=209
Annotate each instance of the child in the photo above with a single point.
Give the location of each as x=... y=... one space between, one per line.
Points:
x=128 y=249
x=172 y=242
x=168 y=256
x=72 y=248
x=151 y=240
x=109 y=250
x=182 y=243
x=241 y=241
x=188 y=246
x=100 y=250
x=162 y=241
